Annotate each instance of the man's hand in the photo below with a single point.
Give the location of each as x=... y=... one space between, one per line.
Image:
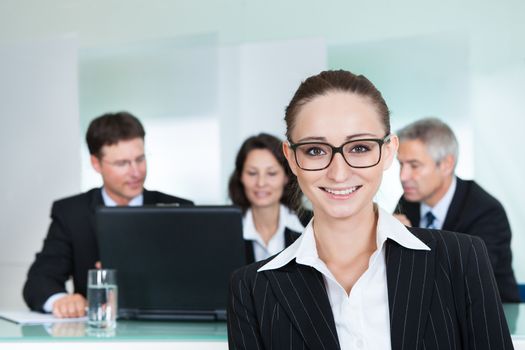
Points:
x=71 y=305
x=404 y=220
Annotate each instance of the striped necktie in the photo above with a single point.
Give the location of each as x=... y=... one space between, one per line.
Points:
x=429 y=217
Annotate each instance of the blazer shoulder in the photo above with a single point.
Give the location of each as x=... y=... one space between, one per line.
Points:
x=451 y=248
x=248 y=273
x=443 y=237
x=80 y=197
x=479 y=196
x=78 y=201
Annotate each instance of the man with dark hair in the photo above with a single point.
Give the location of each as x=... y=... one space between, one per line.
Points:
x=116 y=145
x=434 y=197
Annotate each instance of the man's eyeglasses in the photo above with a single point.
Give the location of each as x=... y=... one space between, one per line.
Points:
x=126 y=163
x=363 y=153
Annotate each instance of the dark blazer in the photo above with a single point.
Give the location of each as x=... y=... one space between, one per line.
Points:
x=289 y=237
x=445 y=298
x=476 y=212
x=70 y=248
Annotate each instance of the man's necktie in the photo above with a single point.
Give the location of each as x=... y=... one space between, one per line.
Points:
x=429 y=217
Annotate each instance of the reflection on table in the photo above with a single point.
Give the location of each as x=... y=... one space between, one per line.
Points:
x=125 y=331
x=161 y=335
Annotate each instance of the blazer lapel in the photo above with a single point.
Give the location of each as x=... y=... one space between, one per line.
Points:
x=455 y=208
x=94 y=202
x=248 y=250
x=301 y=292
x=148 y=197
x=410 y=280
x=290 y=236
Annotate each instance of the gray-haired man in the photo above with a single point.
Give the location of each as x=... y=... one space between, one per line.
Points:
x=434 y=197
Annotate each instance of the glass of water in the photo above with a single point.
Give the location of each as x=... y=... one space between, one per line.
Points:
x=102 y=299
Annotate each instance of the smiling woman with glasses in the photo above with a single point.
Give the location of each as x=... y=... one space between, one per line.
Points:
x=357 y=278
x=361 y=153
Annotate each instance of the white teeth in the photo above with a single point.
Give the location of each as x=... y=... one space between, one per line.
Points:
x=342 y=192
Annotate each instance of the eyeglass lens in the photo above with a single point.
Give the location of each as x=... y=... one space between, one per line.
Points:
x=358 y=154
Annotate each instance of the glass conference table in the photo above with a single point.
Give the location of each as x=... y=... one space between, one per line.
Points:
x=128 y=335
x=160 y=335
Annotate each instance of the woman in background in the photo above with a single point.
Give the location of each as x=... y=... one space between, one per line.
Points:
x=263 y=186
x=357 y=278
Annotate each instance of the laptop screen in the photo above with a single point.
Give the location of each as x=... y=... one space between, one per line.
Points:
x=171 y=262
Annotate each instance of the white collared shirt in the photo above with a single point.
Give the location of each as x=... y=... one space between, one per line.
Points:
x=287 y=219
x=108 y=202
x=134 y=202
x=362 y=319
x=440 y=209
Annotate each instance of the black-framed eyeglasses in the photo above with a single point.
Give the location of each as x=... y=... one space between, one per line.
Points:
x=362 y=153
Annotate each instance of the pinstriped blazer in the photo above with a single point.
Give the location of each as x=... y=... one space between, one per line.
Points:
x=445 y=298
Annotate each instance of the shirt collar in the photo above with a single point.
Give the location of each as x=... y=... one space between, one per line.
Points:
x=287 y=219
x=440 y=209
x=109 y=202
x=304 y=249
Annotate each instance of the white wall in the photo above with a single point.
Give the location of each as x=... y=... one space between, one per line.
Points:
x=39 y=146
x=173 y=86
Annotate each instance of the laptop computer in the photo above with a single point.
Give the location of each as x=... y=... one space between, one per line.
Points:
x=172 y=262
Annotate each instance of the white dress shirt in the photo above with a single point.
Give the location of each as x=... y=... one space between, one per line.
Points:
x=108 y=202
x=362 y=318
x=287 y=219
x=440 y=209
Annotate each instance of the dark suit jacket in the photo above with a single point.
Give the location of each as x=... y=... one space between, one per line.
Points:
x=70 y=248
x=475 y=212
x=289 y=237
x=445 y=298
